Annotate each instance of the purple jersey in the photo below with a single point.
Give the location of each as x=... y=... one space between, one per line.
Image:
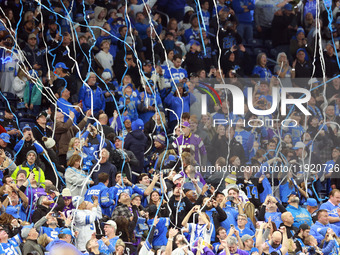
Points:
x=192 y=143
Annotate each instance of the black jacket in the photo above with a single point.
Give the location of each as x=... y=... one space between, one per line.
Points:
x=136 y=142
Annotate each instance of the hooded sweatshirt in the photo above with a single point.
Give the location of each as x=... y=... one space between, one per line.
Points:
x=96 y=22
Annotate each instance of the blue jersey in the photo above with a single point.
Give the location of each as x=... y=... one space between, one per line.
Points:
x=18 y=211
x=206 y=18
x=95 y=191
x=108 y=249
x=242 y=232
x=296 y=132
x=263 y=72
x=159 y=237
x=332 y=210
x=116 y=190
x=246 y=139
x=150 y=100
x=232 y=214
x=285 y=190
x=53 y=233
x=301 y=215
x=12 y=246
x=175 y=74
x=275 y=216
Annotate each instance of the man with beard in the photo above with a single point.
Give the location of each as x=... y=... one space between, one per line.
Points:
x=287 y=221
x=299 y=237
x=180 y=206
x=42 y=209
x=301 y=215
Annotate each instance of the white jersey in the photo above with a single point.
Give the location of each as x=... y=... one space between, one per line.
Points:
x=84 y=223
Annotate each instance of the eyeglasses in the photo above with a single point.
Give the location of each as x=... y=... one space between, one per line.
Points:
x=128 y=58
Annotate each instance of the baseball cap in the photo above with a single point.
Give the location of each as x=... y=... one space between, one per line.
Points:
x=25 y=230
x=43 y=113
x=246 y=237
x=185 y=124
x=135 y=195
x=129 y=40
x=176 y=177
x=138 y=124
x=32 y=36
x=311 y=202
x=66 y=231
x=299 y=145
x=61 y=65
x=147 y=62
x=5 y=137
x=111 y=223
x=288 y=7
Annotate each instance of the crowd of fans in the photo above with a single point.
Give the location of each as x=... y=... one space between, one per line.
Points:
x=105 y=149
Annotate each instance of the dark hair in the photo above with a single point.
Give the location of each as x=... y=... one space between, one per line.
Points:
x=319 y=212
x=176 y=57
x=219 y=229
x=103 y=177
x=123 y=228
x=73 y=159
x=141 y=176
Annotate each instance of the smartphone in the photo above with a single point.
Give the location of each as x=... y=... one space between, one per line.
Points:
x=99 y=236
x=230 y=198
x=124 y=175
x=55 y=214
x=231 y=226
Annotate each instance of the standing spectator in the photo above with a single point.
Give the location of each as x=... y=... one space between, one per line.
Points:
x=105 y=166
x=245 y=17
x=136 y=142
x=92 y=95
x=75 y=177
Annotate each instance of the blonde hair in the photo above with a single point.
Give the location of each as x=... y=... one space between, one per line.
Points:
x=249 y=210
x=43 y=240
x=70 y=145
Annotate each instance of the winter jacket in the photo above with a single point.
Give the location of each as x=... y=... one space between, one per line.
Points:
x=32 y=245
x=38 y=173
x=40 y=212
x=95 y=93
x=32 y=94
x=76 y=181
x=108 y=168
x=64 y=132
x=136 y=142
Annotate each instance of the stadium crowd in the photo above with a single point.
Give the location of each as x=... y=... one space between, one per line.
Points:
x=105 y=149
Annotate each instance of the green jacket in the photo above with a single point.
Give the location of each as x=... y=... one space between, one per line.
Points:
x=36 y=93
